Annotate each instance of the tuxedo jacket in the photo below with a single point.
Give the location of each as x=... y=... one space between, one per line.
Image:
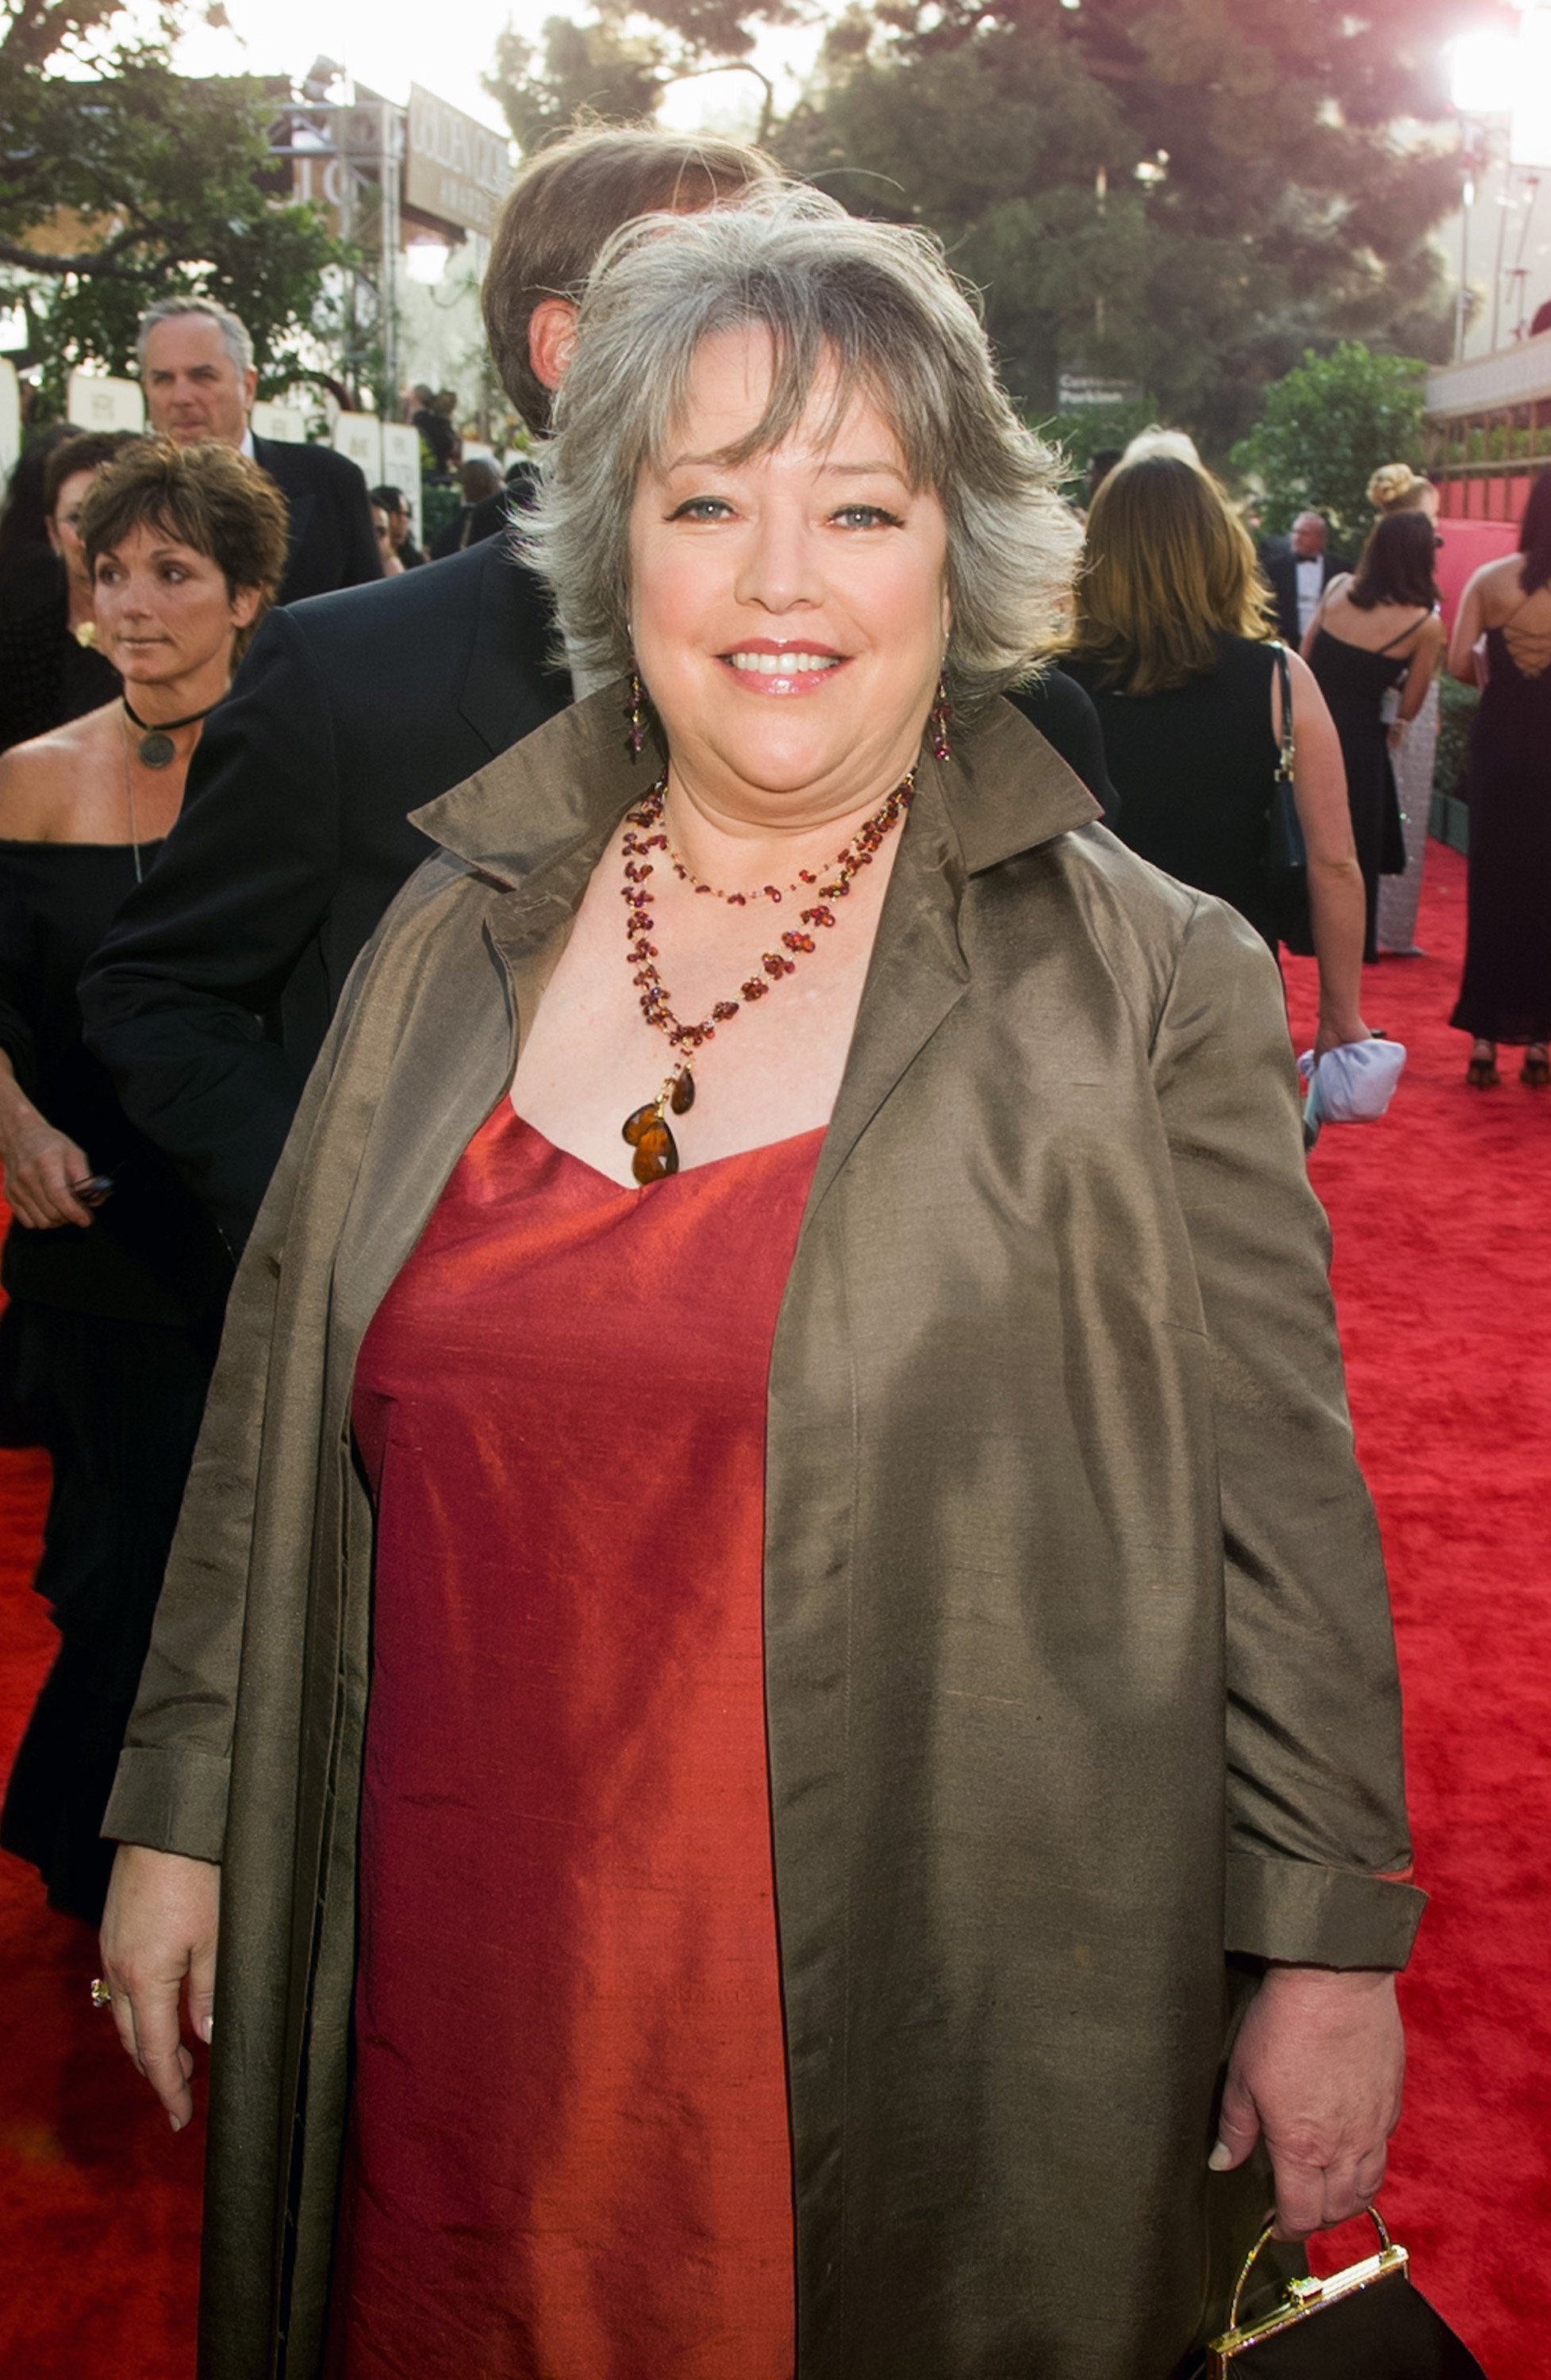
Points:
x=210 y=998
x=1281 y=567
x=333 y=543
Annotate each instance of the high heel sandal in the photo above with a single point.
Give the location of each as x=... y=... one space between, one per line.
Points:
x=1482 y=1073
x=1536 y=1071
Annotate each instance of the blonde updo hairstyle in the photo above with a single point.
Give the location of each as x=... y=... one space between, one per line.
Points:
x=873 y=300
x=1396 y=488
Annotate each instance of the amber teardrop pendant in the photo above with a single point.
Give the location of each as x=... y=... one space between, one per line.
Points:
x=657 y=1153
x=681 y=1097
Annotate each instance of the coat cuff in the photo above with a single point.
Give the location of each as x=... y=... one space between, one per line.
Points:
x=1310 y=1916
x=170 y=1802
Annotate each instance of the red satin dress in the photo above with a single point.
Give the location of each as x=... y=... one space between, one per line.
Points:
x=568 y=2152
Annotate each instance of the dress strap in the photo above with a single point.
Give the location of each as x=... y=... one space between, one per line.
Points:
x=1401 y=634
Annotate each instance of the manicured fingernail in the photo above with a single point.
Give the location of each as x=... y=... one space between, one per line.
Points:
x=1221 y=2159
x=177 y=2122
x=207 y=2028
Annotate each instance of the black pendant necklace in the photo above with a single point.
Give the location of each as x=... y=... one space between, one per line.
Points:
x=156 y=747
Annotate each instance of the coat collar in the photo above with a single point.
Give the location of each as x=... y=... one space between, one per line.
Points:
x=537 y=817
x=538 y=820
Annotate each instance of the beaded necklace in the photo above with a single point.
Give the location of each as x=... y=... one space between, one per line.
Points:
x=646 y=1129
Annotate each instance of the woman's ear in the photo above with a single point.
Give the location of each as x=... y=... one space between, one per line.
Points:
x=552 y=335
x=246 y=601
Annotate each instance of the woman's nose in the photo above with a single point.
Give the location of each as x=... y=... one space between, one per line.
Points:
x=778 y=568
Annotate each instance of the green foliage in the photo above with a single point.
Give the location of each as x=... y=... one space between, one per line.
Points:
x=596 y=70
x=1182 y=194
x=136 y=183
x=1081 y=435
x=1327 y=425
x=1456 y=707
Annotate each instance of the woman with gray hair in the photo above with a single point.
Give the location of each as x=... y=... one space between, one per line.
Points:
x=776 y=1639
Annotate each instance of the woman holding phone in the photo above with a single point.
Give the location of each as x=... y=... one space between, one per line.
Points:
x=115 y=1280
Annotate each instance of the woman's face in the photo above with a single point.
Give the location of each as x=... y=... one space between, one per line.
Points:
x=64 y=527
x=164 y=610
x=789 y=612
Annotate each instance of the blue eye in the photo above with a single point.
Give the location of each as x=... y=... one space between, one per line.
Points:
x=701 y=508
x=867 y=516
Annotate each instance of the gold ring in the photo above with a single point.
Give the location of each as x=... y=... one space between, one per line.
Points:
x=100 y=1995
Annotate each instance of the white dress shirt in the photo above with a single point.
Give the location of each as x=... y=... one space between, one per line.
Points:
x=1310 y=572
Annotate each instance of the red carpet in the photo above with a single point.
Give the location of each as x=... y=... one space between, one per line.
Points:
x=1445 y=1295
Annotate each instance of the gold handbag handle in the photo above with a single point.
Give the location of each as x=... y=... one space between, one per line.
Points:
x=1375 y=2218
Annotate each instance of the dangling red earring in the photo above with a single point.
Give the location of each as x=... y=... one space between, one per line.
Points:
x=634 y=713
x=937 y=724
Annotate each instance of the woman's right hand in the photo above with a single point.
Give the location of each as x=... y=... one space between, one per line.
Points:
x=159 y=1927
x=41 y=1164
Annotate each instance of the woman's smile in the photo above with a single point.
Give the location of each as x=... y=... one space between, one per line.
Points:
x=763 y=667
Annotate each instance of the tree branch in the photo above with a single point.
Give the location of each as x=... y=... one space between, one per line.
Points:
x=736 y=66
x=102 y=263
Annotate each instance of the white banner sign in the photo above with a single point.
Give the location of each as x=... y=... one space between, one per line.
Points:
x=285 y=422
x=400 y=466
x=94 y=402
x=10 y=415
x=359 y=435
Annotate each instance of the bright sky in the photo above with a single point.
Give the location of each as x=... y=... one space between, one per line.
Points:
x=444 y=49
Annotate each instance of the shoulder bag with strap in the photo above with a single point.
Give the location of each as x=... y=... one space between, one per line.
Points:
x=1287 y=860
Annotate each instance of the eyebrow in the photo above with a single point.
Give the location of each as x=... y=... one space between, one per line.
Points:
x=838 y=470
x=157 y=553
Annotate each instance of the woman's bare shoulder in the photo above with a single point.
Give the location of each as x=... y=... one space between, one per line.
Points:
x=41 y=782
x=1500 y=581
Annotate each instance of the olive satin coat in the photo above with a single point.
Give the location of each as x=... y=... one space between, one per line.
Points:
x=1080 y=1673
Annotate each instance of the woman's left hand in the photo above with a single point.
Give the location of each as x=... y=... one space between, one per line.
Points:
x=1317 y=2068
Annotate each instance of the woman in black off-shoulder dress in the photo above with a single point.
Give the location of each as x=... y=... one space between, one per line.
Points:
x=114 y=1278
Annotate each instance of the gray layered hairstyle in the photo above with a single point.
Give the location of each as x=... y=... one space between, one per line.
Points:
x=876 y=301
x=234 y=331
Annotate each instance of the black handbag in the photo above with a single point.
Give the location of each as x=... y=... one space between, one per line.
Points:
x=1367 y=2323
x=1287 y=860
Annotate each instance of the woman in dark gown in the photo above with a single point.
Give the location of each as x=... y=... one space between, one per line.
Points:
x=1169 y=639
x=115 y=1295
x=1505 y=991
x=1373 y=645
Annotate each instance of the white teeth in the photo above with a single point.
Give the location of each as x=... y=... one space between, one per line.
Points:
x=783 y=664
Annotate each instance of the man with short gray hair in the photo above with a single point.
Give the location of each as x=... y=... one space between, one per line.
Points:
x=1300 y=573
x=198 y=373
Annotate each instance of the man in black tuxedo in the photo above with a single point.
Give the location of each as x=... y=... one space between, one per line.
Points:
x=1298 y=573
x=209 y=1000
x=196 y=370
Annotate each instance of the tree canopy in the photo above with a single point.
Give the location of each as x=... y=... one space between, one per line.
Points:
x=121 y=180
x=1326 y=427
x=1174 y=196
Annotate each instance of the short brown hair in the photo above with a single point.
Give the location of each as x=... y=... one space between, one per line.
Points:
x=209 y=497
x=1169 y=569
x=563 y=205
x=88 y=451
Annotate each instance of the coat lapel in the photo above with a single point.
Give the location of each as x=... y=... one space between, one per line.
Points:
x=1009 y=791
x=538 y=820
